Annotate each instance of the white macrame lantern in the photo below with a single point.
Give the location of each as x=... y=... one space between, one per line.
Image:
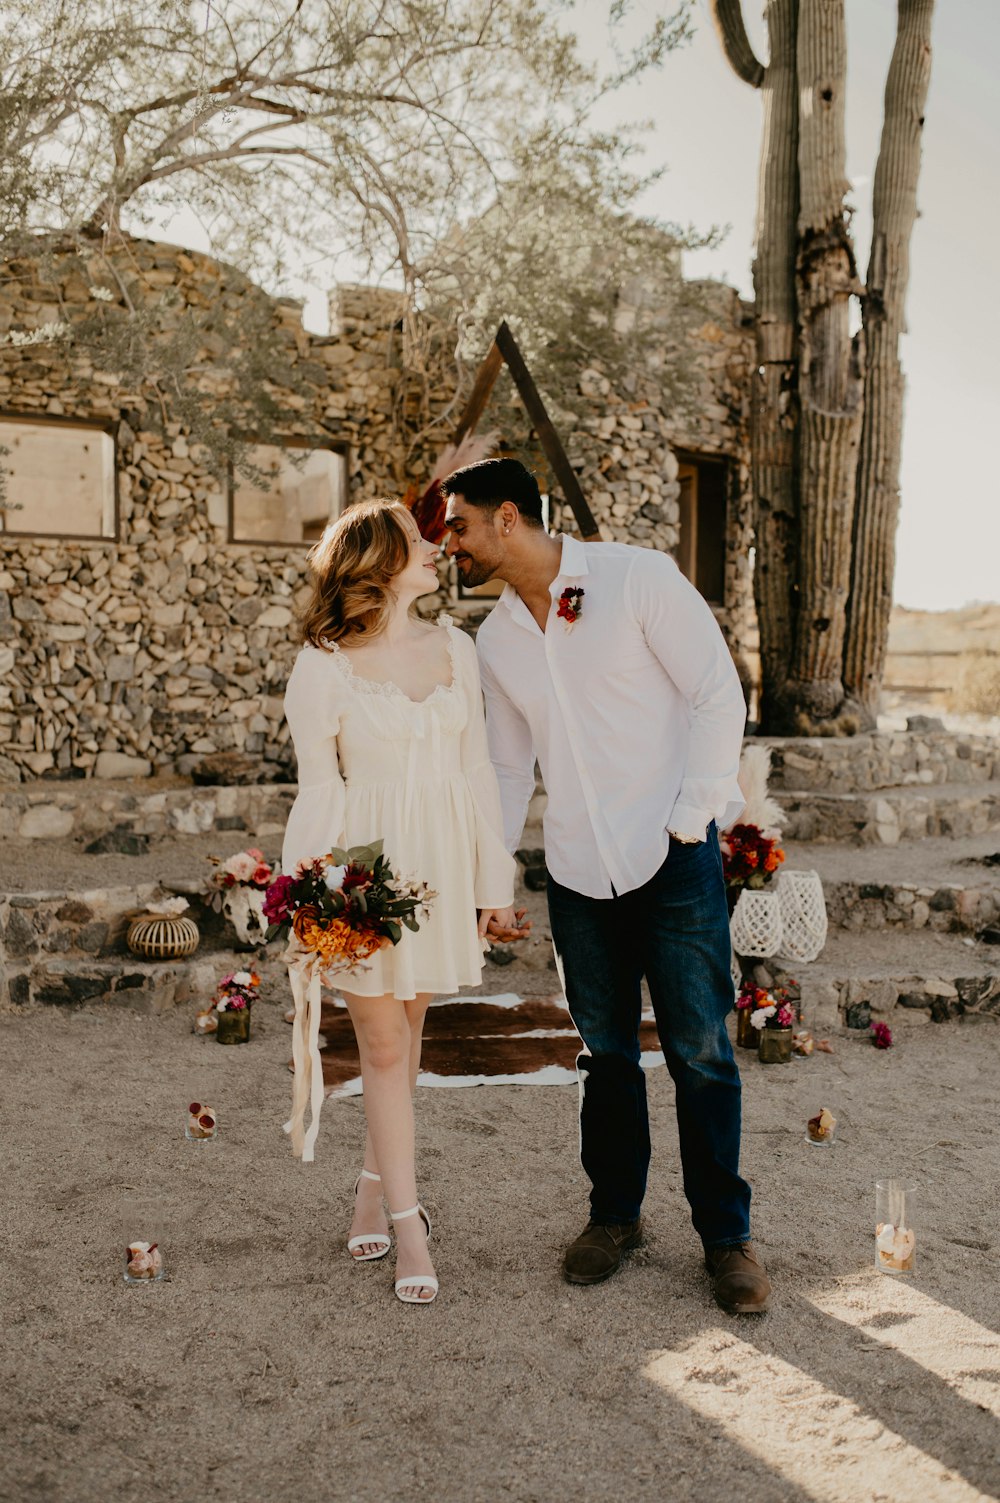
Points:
x=803 y=914
x=756 y=925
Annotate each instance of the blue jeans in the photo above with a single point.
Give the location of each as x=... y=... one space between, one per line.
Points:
x=674 y=930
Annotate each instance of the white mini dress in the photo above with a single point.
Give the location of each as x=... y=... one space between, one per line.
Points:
x=376 y=765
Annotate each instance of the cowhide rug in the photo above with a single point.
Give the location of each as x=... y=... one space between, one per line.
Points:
x=505 y=1040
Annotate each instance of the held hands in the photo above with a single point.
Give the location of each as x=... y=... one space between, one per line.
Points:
x=503 y=925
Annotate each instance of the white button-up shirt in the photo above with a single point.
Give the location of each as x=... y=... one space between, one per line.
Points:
x=635 y=716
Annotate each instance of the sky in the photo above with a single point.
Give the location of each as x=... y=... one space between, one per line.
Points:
x=706 y=133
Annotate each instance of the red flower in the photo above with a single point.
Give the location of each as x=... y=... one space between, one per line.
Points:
x=194 y=1107
x=881 y=1036
x=571 y=604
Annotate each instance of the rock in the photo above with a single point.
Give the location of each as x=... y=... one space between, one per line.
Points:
x=536 y=878
x=275 y=615
x=20 y=936
x=45 y=822
x=120 y=668
x=500 y=955
x=990 y=935
x=230 y=767
x=74 y=912
x=920 y=725
x=121 y=841
x=530 y=857
x=9 y=771
x=112 y=764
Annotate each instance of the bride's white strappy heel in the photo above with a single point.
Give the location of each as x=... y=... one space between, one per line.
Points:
x=381 y=1238
x=415 y=1281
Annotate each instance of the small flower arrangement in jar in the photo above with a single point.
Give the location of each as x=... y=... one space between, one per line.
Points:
x=772 y=1015
x=237 y=993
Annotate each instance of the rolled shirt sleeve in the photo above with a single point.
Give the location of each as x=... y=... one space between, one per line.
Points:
x=683 y=634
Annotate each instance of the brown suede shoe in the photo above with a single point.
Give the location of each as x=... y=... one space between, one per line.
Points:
x=742 y=1286
x=598 y=1250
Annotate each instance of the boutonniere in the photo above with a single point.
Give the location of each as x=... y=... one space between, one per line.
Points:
x=571 y=605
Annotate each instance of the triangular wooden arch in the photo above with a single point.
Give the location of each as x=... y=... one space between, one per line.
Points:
x=505 y=349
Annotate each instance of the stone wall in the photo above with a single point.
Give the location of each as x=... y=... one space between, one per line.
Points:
x=147 y=652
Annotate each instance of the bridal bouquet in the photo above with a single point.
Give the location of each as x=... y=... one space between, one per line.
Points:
x=338 y=909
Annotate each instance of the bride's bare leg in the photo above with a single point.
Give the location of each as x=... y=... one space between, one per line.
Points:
x=385 y=1044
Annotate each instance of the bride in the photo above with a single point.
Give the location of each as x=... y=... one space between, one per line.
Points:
x=386 y=716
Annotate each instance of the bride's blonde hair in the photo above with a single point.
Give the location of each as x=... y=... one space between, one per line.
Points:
x=352 y=566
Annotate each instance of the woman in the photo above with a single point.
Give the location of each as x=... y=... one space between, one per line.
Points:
x=386 y=716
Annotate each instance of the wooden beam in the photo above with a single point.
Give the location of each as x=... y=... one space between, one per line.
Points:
x=485 y=378
x=507 y=346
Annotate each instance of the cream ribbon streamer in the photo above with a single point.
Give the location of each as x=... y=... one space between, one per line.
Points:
x=307 y=1088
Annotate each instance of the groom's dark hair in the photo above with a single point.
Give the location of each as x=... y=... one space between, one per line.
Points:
x=493 y=481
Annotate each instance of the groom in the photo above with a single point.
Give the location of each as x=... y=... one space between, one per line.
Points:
x=605 y=664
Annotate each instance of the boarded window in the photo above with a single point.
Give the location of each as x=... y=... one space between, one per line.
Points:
x=702 y=551
x=58 y=479
x=297 y=493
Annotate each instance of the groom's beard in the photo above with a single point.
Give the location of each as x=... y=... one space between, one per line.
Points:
x=472 y=572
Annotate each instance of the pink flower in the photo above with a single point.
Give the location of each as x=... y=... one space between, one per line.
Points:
x=881 y=1036
x=785 y=1017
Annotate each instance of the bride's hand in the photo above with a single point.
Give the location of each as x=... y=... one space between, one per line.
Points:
x=503 y=925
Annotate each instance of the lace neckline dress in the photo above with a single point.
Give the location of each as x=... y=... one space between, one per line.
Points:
x=374 y=763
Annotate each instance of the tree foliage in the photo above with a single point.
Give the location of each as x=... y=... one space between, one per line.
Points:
x=434 y=146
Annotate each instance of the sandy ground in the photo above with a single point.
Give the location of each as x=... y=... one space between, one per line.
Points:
x=267 y=1367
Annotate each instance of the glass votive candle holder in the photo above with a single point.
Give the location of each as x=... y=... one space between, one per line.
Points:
x=895 y=1239
x=143 y=1263
x=202 y=1124
x=821 y=1128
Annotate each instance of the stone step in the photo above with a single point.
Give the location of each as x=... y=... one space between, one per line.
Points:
x=896 y=759
x=927 y=976
x=890 y=815
x=140 y=985
x=151 y=807
x=93 y=923
x=949 y=885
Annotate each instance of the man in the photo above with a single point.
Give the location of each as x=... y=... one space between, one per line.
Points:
x=605 y=664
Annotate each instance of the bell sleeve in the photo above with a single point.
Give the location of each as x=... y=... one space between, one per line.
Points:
x=495 y=866
x=313 y=709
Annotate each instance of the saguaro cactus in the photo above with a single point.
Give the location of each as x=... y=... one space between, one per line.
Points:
x=825 y=521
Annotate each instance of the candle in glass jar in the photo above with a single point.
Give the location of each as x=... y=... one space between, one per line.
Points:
x=895 y=1239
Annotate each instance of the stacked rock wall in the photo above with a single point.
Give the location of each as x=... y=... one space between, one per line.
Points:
x=169 y=643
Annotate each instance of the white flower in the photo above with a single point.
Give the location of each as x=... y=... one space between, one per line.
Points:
x=334 y=877
x=242 y=978
x=241 y=866
x=759 y=1018
x=222 y=1004
x=102 y=294
x=170 y=906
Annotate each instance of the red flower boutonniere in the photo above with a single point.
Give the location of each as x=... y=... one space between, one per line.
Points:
x=571 y=605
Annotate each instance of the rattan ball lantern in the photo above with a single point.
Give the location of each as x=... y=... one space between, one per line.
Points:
x=162 y=936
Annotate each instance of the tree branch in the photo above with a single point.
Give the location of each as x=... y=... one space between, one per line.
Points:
x=727 y=16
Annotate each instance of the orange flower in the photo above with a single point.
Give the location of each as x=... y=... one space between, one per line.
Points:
x=307 y=914
x=336 y=941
